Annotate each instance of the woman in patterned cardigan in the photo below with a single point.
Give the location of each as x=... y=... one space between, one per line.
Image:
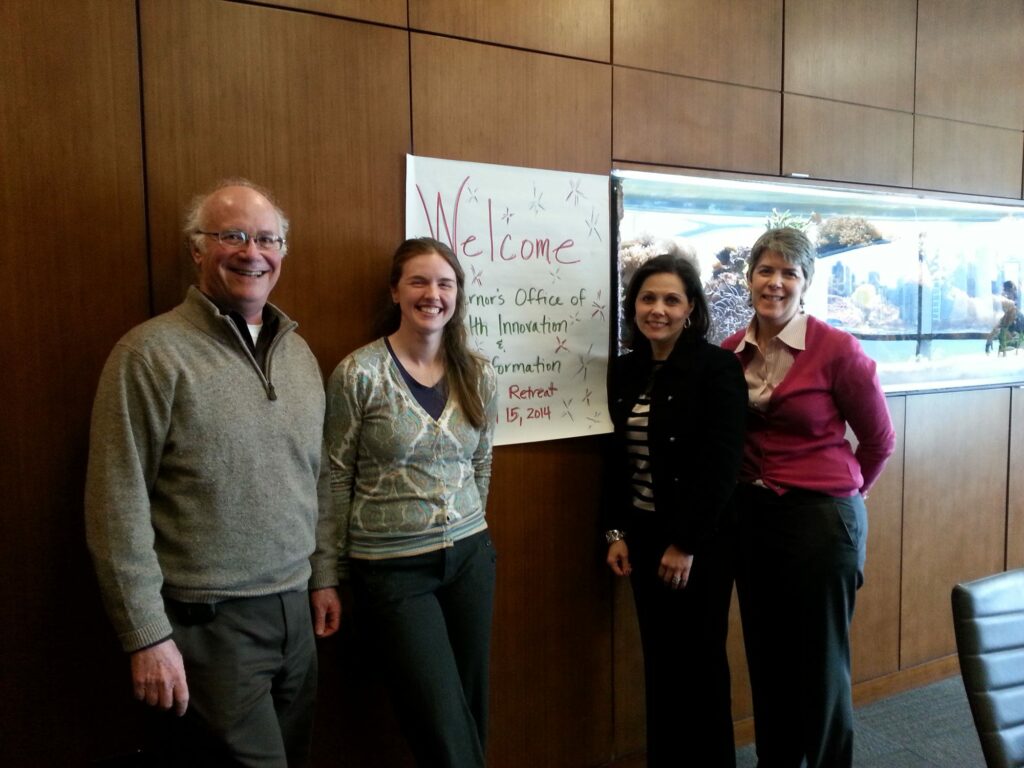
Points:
x=409 y=431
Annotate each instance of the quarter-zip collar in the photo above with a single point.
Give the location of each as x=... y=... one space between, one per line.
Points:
x=202 y=312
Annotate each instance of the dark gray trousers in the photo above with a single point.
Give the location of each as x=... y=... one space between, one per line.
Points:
x=251 y=669
x=800 y=561
x=686 y=667
x=429 y=618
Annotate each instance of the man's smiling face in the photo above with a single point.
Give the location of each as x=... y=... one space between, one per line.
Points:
x=238 y=278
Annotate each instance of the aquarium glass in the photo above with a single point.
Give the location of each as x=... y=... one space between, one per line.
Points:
x=930 y=286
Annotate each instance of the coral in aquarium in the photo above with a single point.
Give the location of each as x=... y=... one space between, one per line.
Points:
x=841 y=232
x=865 y=296
x=843 y=312
x=779 y=219
x=866 y=310
x=726 y=291
x=633 y=253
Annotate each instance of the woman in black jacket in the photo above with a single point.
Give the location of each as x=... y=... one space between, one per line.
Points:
x=678 y=405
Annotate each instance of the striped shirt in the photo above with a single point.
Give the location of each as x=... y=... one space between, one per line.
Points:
x=638 y=450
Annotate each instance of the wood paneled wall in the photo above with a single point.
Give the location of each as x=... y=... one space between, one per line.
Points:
x=954 y=499
x=814 y=128
x=320 y=117
x=730 y=41
x=528 y=109
x=577 y=28
x=74 y=279
x=392 y=12
x=875 y=635
x=970 y=61
x=703 y=124
x=853 y=51
x=113 y=113
x=966 y=157
x=1015 y=491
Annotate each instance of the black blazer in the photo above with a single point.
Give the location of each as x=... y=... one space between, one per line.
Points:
x=695 y=432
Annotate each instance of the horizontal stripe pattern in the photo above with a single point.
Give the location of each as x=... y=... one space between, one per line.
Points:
x=639 y=454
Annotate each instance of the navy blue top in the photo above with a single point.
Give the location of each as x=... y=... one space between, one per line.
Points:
x=431 y=399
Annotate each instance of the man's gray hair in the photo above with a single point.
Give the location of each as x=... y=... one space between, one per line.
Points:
x=194 y=213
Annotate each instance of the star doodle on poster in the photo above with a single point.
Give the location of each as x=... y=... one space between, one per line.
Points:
x=586 y=396
x=585 y=364
x=555 y=277
x=536 y=205
x=566 y=404
x=507 y=216
x=575 y=193
x=595 y=419
x=476 y=275
x=561 y=344
x=472 y=194
x=599 y=308
x=575 y=318
x=592 y=223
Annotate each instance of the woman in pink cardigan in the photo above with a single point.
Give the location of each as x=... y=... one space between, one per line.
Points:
x=802 y=524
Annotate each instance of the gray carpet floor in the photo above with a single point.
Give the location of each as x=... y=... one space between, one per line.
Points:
x=928 y=727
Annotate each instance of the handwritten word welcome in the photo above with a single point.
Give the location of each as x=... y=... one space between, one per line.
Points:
x=530 y=248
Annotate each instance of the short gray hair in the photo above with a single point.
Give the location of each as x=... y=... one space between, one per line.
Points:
x=194 y=212
x=791 y=244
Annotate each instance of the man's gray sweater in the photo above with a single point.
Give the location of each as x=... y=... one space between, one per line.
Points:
x=203 y=471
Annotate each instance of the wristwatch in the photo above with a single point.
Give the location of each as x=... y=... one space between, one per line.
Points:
x=614 y=535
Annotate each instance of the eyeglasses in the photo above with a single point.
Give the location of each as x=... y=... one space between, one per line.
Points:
x=236 y=238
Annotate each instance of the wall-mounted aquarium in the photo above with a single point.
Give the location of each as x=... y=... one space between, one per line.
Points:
x=930 y=286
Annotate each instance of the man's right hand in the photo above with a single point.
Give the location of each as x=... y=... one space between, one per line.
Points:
x=158 y=677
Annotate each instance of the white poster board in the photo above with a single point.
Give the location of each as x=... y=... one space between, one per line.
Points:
x=534 y=246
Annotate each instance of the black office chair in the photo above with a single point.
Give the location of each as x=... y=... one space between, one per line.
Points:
x=988 y=617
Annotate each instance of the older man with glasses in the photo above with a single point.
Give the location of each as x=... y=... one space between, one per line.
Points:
x=202 y=501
